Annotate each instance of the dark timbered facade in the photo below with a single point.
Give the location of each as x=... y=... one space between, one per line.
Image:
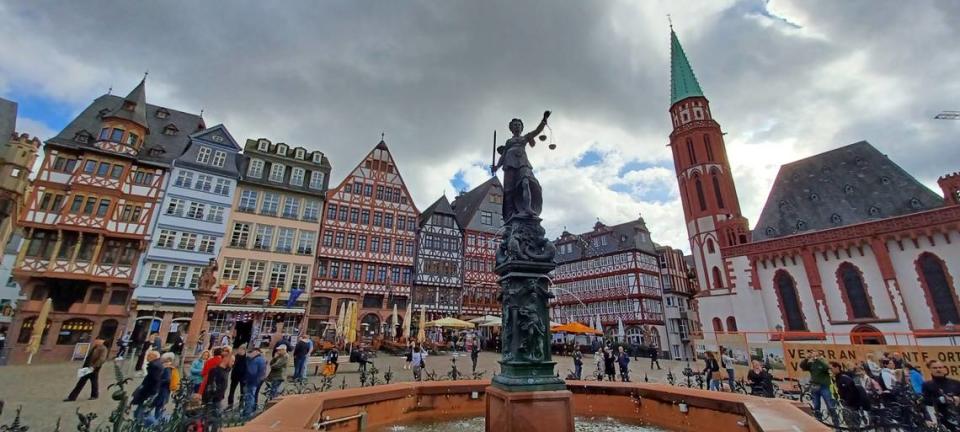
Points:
x=367 y=244
x=479 y=214
x=438 y=270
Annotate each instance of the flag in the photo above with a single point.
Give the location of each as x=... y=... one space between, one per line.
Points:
x=224 y=291
x=247 y=290
x=274 y=295
x=293 y=297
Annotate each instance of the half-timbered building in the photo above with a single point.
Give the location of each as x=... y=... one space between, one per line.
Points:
x=679 y=283
x=88 y=219
x=268 y=257
x=610 y=274
x=438 y=271
x=367 y=244
x=188 y=233
x=479 y=214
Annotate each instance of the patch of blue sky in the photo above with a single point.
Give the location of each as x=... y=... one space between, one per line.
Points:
x=589 y=158
x=656 y=195
x=52 y=113
x=458 y=182
x=640 y=166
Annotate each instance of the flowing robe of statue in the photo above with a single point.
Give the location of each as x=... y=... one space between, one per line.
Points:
x=522 y=195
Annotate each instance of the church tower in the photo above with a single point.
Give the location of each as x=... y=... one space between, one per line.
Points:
x=710 y=204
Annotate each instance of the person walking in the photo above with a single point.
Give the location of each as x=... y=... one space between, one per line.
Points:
x=216 y=389
x=253 y=372
x=237 y=372
x=711 y=371
x=418 y=359
x=623 y=360
x=168 y=361
x=218 y=355
x=301 y=351
x=578 y=363
x=149 y=386
x=278 y=364
x=726 y=362
x=96 y=357
x=408 y=357
x=196 y=370
x=474 y=355
x=655 y=357
x=820 y=385
x=124 y=344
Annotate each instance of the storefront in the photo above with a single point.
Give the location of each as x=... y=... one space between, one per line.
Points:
x=251 y=325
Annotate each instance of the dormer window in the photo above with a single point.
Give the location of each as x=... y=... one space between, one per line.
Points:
x=219 y=158
x=299 y=154
x=915 y=203
x=836 y=219
x=874 y=211
x=203 y=156
x=282 y=149
x=263 y=145
x=847 y=189
x=317 y=157
x=162 y=113
x=104 y=134
x=170 y=129
x=132 y=139
x=82 y=137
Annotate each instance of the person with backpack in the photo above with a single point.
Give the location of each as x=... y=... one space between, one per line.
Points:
x=166 y=384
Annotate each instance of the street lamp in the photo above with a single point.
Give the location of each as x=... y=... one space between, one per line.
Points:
x=951 y=328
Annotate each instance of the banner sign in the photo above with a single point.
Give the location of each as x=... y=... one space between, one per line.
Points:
x=856 y=354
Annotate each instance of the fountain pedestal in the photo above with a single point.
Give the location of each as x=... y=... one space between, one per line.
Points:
x=529 y=411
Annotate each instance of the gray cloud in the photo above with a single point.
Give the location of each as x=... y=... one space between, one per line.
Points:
x=437 y=77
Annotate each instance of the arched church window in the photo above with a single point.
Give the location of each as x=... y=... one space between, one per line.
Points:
x=789 y=301
x=703 y=201
x=691 y=151
x=717 y=325
x=940 y=294
x=716 y=190
x=706 y=143
x=731 y=324
x=710 y=247
x=851 y=281
x=717 y=278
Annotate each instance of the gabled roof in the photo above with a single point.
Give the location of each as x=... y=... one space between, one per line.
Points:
x=632 y=235
x=845 y=186
x=134 y=106
x=158 y=148
x=466 y=205
x=683 y=83
x=440 y=206
x=217 y=135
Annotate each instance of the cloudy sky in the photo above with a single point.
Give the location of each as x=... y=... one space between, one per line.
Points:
x=785 y=80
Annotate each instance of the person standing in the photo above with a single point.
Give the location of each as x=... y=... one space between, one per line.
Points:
x=94 y=360
x=474 y=355
x=655 y=357
x=623 y=360
x=196 y=370
x=278 y=364
x=577 y=363
x=941 y=396
x=598 y=362
x=609 y=359
x=854 y=400
x=301 y=351
x=163 y=387
x=418 y=359
x=760 y=380
x=216 y=387
x=726 y=362
x=254 y=371
x=408 y=357
x=149 y=386
x=711 y=371
x=156 y=342
x=177 y=346
x=820 y=384
x=237 y=373
x=218 y=355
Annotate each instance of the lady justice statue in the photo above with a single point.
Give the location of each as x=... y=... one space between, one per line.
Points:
x=522 y=195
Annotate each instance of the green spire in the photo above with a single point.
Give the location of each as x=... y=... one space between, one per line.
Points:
x=683 y=83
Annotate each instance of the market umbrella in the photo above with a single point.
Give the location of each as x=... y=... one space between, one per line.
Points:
x=348 y=324
x=342 y=320
x=484 y=319
x=421 y=331
x=393 y=323
x=492 y=323
x=406 y=321
x=620 y=331
x=39 y=325
x=450 y=322
x=575 y=328
x=354 y=321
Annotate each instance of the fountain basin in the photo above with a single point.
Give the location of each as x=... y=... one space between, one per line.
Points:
x=668 y=407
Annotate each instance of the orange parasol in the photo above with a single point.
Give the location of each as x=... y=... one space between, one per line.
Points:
x=575 y=328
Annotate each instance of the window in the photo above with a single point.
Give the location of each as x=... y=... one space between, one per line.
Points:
x=296 y=176
x=789 y=302
x=291 y=207
x=936 y=284
x=116 y=172
x=706 y=143
x=311 y=211
x=118 y=252
x=194 y=279
x=88 y=242
x=103 y=169
x=486 y=218
x=271 y=201
x=248 y=200
x=717 y=325
x=184 y=179
x=361 y=242
x=854 y=291
x=188 y=241
x=365 y=217
x=178 y=276
x=278 y=275
x=716 y=191
x=103 y=207
x=316 y=180
x=89 y=166
x=255 y=274
x=285 y=239
x=118 y=298
x=156 y=274
x=166 y=238
x=388 y=221
x=710 y=247
x=231 y=269
x=327 y=239
x=142 y=178
x=377 y=218
x=264 y=237
x=96 y=296
x=276 y=172
x=375 y=244
x=298 y=154
x=306 y=241
x=203 y=156
x=75 y=330
x=175 y=207
x=215 y=214
x=208 y=244
x=700 y=197
x=351 y=241
x=41 y=244
x=263 y=145
x=222 y=187
x=339 y=240
x=367 y=190
x=117 y=135
x=196 y=210
x=282 y=149
x=204 y=183
x=691 y=151
x=372 y=301
x=401 y=222
x=386 y=246
x=104 y=133
x=317 y=157
x=64 y=164
x=354 y=215
x=241 y=233
x=219 y=158
x=300 y=278
x=379 y=192
x=731 y=324
x=256 y=168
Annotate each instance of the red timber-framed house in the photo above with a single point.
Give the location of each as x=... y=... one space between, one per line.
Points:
x=367 y=244
x=88 y=219
x=479 y=214
x=679 y=283
x=438 y=275
x=848 y=248
x=611 y=275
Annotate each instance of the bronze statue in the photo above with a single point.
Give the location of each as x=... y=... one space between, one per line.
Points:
x=522 y=195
